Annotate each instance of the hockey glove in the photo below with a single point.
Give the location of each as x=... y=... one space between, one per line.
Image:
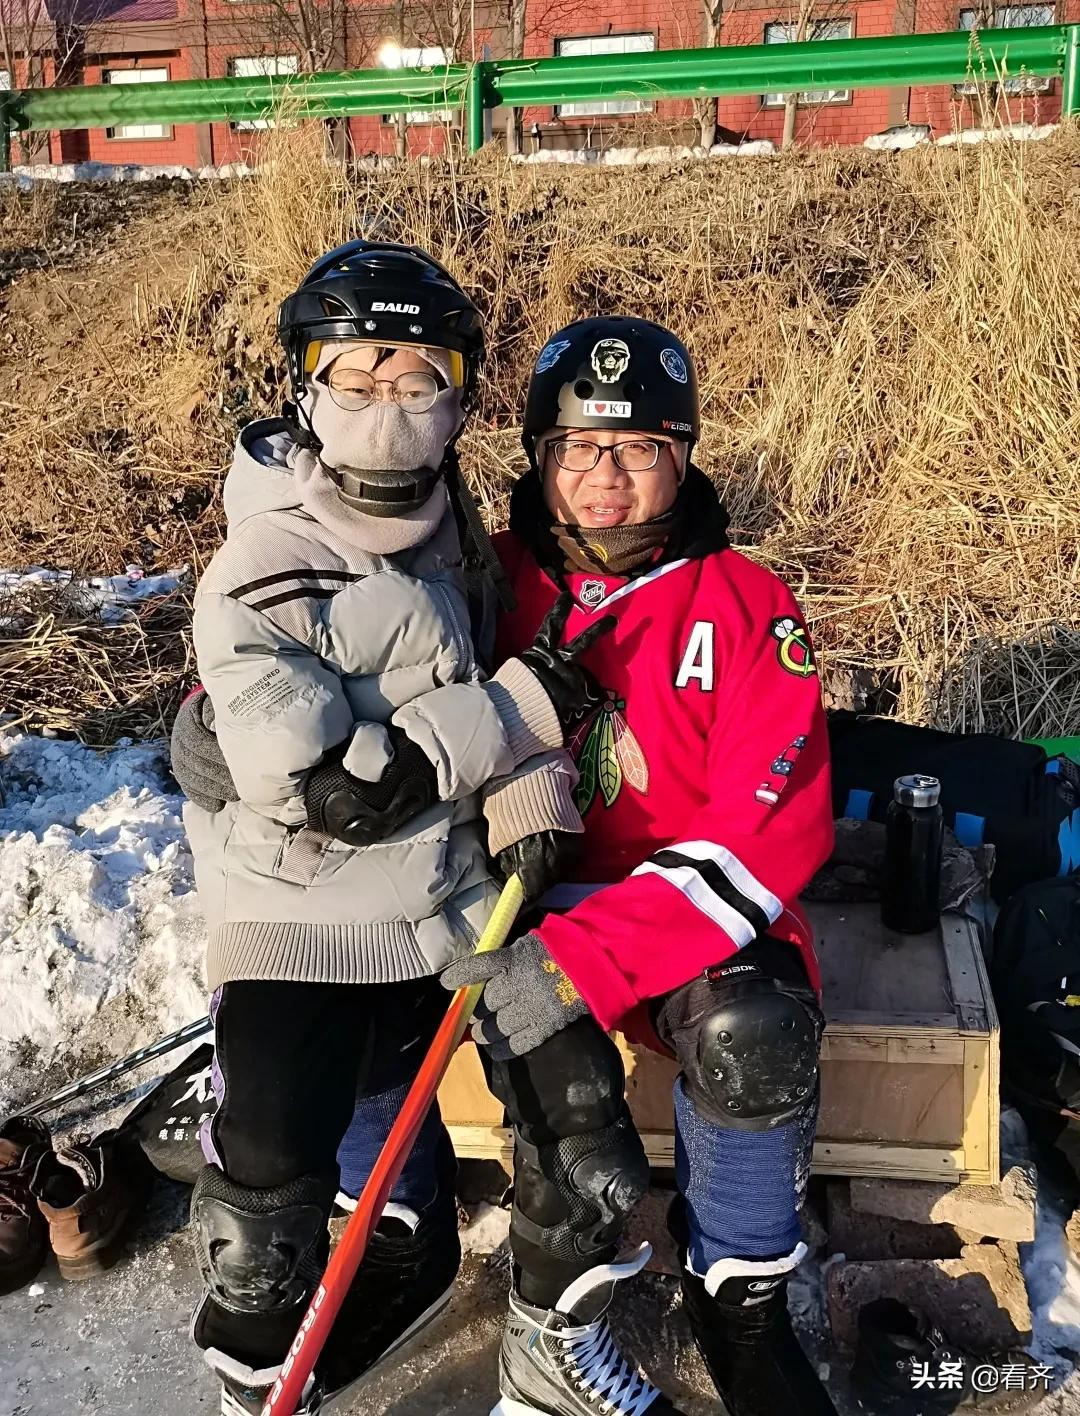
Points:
x=361 y=813
x=566 y=682
x=526 y=999
x=198 y=763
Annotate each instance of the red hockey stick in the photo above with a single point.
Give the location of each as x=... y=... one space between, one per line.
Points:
x=345 y=1260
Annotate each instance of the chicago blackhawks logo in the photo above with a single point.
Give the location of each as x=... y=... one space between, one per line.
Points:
x=607 y=754
x=793 y=647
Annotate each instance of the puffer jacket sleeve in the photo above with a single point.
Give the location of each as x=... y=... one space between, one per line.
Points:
x=475 y=731
x=278 y=708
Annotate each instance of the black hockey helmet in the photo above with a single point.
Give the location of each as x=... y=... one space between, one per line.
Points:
x=378 y=290
x=613 y=371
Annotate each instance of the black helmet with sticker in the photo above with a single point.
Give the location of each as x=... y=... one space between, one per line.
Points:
x=379 y=290
x=613 y=371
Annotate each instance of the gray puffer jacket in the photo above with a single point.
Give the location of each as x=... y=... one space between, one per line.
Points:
x=305 y=639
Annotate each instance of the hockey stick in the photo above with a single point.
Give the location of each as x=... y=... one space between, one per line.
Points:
x=93 y=1081
x=345 y=1260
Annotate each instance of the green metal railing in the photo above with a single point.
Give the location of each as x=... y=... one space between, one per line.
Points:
x=1047 y=51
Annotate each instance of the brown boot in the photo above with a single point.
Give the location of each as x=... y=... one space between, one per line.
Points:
x=88 y=1193
x=24 y=1235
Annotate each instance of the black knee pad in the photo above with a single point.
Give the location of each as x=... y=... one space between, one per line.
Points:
x=573 y=1196
x=261 y=1250
x=756 y=1061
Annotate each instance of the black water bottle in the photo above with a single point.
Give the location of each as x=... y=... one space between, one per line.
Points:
x=914 y=834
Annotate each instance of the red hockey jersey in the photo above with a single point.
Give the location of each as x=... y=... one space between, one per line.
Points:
x=704 y=772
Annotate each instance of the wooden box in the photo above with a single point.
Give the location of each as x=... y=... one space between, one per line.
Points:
x=909 y=1061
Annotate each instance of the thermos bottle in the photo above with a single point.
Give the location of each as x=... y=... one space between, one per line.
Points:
x=914 y=834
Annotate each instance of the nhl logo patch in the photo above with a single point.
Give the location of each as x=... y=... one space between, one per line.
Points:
x=592 y=593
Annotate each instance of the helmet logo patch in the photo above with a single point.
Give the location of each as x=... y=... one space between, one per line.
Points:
x=610 y=359
x=674 y=364
x=551 y=354
x=606 y=409
x=392 y=307
x=672 y=426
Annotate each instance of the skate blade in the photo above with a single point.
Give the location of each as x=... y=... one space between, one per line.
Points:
x=335 y=1400
x=509 y=1407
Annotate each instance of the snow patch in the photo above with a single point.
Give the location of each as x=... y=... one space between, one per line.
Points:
x=101 y=937
x=111 y=597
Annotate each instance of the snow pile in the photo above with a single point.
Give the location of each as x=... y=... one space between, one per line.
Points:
x=101 y=939
x=111 y=597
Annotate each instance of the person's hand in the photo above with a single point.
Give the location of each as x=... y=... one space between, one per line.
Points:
x=361 y=813
x=540 y=860
x=198 y=763
x=526 y=999
x=563 y=678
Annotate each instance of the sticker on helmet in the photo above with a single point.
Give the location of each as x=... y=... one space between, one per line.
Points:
x=610 y=359
x=669 y=425
x=674 y=364
x=606 y=409
x=551 y=354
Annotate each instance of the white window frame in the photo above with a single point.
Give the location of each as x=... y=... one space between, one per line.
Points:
x=817 y=29
x=260 y=66
x=637 y=42
x=5 y=81
x=419 y=56
x=138 y=132
x=1004 y=17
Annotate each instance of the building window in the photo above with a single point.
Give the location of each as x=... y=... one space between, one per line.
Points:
x=429 y=56
x=260 y=66
x=5 y=79
x=784 y=32
x=604 y=44
x=131 y=131
x=1007 y=17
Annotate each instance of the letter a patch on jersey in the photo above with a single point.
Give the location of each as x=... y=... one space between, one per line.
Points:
x=697 y=659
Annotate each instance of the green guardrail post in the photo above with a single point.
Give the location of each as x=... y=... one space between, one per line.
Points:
x=1070 y=84
x=7 y=128
x=475 y=105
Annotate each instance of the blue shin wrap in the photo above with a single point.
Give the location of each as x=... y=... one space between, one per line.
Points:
x=742 y=1189
x=418 y=1184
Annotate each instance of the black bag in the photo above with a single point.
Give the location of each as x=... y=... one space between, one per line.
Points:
x=1035 y=975
x=992 y=790
x=167 y=1121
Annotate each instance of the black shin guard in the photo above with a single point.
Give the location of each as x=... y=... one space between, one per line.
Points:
x=261 y=1253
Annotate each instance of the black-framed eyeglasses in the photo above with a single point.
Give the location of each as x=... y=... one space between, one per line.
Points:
x=355 y=389
x=634 y=455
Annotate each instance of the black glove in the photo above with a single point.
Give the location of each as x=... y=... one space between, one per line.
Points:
x=359 y=812
x=567 y=683
x=541 y=860
x=198 y=763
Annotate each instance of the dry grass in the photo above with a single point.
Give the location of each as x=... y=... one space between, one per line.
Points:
x=888 y=350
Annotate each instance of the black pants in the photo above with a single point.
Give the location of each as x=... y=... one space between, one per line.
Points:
x=299 y=1064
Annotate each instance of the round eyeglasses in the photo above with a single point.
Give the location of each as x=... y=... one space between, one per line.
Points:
x=355 y=389
x=635 y=455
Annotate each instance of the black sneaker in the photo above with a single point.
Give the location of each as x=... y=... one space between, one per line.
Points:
x=905 y=1367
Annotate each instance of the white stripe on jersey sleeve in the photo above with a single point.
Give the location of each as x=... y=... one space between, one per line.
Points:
x=735 y=871
x=689 y=883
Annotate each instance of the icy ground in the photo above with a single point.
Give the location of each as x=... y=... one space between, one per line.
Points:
x=101 y=945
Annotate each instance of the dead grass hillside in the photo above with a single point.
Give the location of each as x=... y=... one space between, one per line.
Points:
x=889 y=351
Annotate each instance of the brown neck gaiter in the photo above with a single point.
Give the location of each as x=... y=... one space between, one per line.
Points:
x=612 y=550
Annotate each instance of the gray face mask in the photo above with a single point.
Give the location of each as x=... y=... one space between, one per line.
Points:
x=385 y=461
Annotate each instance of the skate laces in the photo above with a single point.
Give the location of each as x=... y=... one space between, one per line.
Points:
x=600 y=1370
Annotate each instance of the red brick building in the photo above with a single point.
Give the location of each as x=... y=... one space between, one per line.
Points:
x=135 y=41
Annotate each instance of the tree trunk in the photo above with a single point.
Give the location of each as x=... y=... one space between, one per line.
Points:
x=401 y=134
x=791 y=102
x=708 y=122
x=513 y=131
